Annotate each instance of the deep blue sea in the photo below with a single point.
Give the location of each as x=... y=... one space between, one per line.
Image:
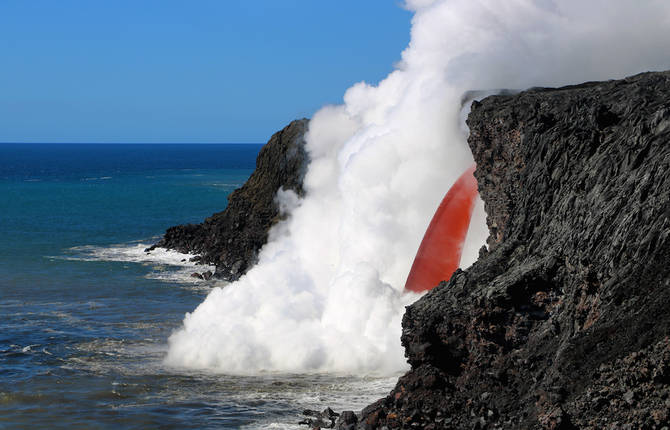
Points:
x=85 y=314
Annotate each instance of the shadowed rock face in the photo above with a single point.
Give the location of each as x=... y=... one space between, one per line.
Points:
x=231 y=239
x=564 y=322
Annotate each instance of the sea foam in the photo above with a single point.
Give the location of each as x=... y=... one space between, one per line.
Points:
x=166 y=265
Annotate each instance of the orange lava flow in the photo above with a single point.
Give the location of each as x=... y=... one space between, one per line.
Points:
x=440 y=252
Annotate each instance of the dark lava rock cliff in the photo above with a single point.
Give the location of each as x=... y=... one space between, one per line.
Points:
x=232 y=238
x=564 y=322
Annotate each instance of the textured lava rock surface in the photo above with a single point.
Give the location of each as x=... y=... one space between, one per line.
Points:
x=564 y=322
x=232 y=238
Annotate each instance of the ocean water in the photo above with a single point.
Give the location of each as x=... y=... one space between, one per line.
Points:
x=85 y=314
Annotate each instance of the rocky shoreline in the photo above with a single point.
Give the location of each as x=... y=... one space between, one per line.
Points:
x=563 y=322
x=231 y=239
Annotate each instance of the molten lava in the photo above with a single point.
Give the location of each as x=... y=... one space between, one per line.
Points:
x=440 y=252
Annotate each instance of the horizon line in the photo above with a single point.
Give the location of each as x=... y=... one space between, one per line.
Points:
x=130 y=143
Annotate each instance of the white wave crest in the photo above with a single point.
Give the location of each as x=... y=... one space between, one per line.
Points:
x=165 y=264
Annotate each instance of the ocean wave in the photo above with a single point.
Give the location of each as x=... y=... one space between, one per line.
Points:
x=101 y=178
x=165 y=265
x=224 y=185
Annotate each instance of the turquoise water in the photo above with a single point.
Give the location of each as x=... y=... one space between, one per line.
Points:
x=85 y=314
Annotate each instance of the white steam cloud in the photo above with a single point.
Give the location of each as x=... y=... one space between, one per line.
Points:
x=327 y=292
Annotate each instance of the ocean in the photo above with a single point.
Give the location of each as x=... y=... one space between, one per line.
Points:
x=85 y=313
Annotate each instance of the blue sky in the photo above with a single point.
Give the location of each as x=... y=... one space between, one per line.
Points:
x=184 y=71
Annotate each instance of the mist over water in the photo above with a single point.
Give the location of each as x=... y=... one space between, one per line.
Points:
x=326 y=295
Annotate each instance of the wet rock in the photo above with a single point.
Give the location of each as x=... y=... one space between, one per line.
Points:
x=319 y=420
x=347 y=421
x=563 y=322
x=231 y=239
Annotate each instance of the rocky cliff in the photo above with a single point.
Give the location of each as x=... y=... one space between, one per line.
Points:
x=232 y=238
x=564 y=322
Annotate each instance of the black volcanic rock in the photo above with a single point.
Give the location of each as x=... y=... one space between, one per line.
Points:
x=232 y=238
x=564 y=322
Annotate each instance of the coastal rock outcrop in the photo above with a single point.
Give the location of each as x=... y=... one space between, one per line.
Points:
x=232 y=238
x=564 y=322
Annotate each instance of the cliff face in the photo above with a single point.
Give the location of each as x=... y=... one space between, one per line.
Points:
x=231 y=239
x=564 y=322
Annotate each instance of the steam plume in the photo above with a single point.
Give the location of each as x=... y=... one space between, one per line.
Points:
x=326 y=294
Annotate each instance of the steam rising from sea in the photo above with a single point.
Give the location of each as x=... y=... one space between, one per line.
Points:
x=326 y=294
